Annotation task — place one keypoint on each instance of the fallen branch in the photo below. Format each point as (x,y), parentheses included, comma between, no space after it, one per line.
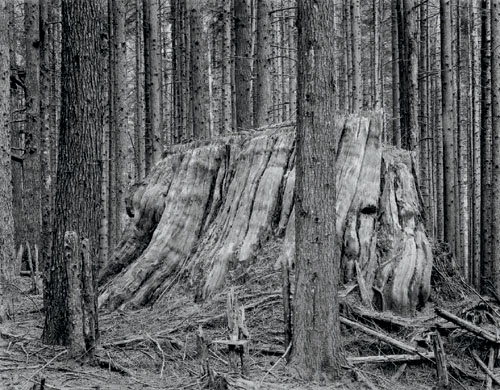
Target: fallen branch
(112,366)
(362,378)
(469,326)
(139,339)
(462,371)
(381,336)
(390,358)
(275,364)
(45,366)
(483,366)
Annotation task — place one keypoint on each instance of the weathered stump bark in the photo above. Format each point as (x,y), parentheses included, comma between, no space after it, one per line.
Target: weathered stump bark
(82,314)
(206,209)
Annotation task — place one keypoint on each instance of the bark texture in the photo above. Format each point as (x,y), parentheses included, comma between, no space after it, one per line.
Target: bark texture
(7,251)
(316,346)
(208,207)
(78,187)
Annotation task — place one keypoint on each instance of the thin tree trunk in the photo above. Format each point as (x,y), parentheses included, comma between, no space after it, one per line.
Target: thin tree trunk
(228,68)
(486,250)
(46,136)
(317,351)
(377,81)
(139,150)
(462,144)
(495,145)
(119,129)
(448,124)
(243,64)
(356,55)
(32,185)
(424,166)
(476,143)
(152,83)
(262,97)
(396,126)
(199,88)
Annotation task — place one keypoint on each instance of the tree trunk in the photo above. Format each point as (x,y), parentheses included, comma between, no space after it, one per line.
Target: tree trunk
(32,186)
(424,161)
(317,350)
(78,188)
(117,133)
(408,73)
(357,83)
(396,125)
(462,217)
(448,124)
(495,146)
(243,64)
(151,83)
(199,89)
(46,133)
(139,147)
(227,68)
(7,250)
(377,79)
(486,138)
(476,144)
(262,98)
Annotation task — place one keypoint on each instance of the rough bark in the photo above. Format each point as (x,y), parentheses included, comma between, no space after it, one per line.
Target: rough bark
(139,146)
(317,349)
(495,146)
(448,124)
(486,168)
(250,200)
(7,250)
(152,83)
(357,83)
(243,64)
(78,188)
(46,133)
(199,89)
(117,133)
(396,127)
(262,71)
(32,186)
(476,145)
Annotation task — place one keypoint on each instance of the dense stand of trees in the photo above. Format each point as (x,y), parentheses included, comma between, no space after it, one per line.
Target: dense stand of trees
(174,71)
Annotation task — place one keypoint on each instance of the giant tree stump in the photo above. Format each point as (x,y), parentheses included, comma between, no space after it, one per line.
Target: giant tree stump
(207,209)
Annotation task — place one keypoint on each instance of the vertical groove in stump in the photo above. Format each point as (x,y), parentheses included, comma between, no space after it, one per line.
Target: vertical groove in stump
(89,299)
(442,372)
(76,343)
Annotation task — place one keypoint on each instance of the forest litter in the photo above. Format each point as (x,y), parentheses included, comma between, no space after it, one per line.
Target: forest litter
(178,344)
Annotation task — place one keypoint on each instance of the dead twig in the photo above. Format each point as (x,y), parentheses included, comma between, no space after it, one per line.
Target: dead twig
(484,367)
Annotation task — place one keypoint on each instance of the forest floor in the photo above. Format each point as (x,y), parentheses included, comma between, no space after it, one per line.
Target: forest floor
(155,347)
